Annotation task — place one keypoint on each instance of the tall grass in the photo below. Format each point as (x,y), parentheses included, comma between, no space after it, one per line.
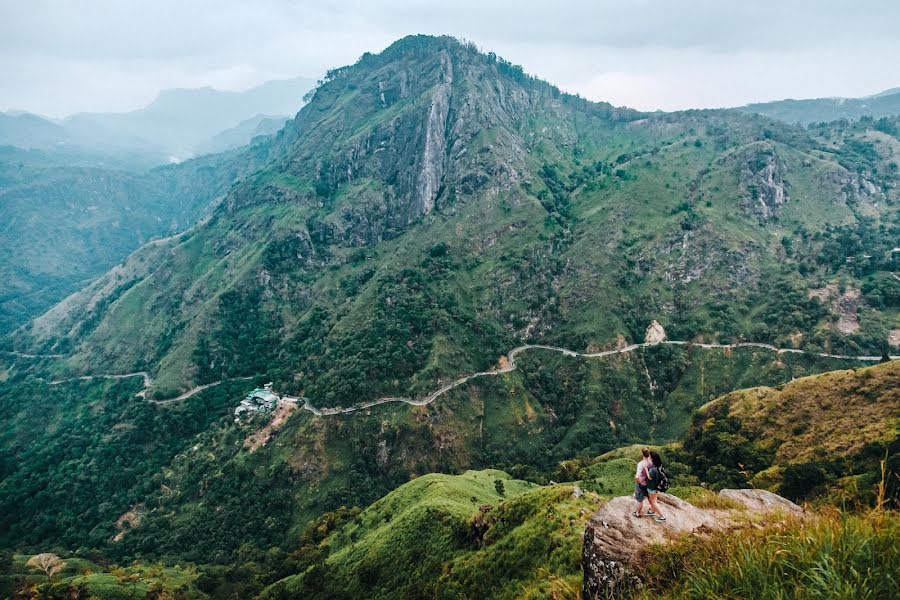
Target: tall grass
(835,556)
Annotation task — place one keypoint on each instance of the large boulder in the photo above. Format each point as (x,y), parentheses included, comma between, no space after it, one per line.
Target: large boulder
(761,501)
(613,538)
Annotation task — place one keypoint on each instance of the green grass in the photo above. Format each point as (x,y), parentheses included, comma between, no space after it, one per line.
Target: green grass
(430,527)
(613,477)
(834,556)
(807,418)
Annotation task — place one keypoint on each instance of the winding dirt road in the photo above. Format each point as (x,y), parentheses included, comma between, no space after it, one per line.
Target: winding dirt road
(26,355)
(148,381)
(196,390)
(510,366)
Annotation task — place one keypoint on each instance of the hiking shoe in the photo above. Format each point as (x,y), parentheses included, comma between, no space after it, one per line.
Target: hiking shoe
(660,518)
(636,516)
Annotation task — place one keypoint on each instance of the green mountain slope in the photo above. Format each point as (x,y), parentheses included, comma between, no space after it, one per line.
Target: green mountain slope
(456,536)
(185,465)
(527,544)
(191,491)
(828,432)
(63,225)
(433,206)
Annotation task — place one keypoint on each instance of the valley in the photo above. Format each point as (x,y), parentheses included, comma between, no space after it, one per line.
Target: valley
(443,269)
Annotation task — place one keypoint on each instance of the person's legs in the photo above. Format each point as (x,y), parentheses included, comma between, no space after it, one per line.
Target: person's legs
(639,495)
(652,498)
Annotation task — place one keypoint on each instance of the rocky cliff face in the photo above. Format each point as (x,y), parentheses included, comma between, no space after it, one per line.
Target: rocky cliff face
(433,155)
(613,539)
(655,333)
(763,179)
(427,123)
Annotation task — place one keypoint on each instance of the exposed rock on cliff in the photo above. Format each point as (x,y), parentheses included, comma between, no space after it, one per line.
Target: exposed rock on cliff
(761,177)
(844,305)
(894,338)
(655,333)
(613,538)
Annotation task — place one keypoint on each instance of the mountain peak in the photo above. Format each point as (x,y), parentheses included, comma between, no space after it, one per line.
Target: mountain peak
(431,117)
(418,43)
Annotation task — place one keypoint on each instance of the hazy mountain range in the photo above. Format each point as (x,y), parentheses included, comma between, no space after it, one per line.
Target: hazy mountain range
(178,124)
(817,110)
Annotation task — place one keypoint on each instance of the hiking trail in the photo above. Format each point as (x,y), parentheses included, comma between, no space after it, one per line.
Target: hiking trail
(506,367)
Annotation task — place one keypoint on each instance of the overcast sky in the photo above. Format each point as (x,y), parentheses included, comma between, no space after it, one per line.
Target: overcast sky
(58,57)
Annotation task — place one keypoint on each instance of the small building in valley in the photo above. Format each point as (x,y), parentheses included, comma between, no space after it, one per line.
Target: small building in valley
(259,400)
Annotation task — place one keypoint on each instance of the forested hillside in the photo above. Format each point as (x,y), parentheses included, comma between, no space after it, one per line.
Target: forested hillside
(479,533)
(186,464)
(62,225)
(431,208)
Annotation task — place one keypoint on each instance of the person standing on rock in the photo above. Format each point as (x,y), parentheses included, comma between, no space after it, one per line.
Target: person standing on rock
(640,483)
(654,477)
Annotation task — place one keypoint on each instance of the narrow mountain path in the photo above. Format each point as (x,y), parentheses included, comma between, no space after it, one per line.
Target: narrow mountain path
(510,366)
(26,355)
(197,390)
(148,380)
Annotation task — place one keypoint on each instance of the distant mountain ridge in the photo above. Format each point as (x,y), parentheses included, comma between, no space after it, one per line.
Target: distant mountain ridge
(178,124)
(242,133)
(78,195)
(816,110)
(181,119)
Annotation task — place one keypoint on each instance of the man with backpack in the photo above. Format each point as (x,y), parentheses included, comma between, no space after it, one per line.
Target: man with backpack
(640,483)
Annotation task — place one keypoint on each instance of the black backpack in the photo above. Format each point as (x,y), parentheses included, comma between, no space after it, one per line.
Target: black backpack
(663,484)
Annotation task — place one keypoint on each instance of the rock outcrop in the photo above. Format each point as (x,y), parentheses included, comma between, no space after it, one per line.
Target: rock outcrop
(761,501)
(614,539)
(894,338)
(655,333)
(845,304)
(761,175)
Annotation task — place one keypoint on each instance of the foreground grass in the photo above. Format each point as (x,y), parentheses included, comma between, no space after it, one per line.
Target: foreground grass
(448,537)
(836,556)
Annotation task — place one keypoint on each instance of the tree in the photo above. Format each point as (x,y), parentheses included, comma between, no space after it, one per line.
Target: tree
(498,485)
(49,563)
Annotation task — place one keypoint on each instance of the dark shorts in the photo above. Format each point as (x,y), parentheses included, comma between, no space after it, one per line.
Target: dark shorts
(640,492)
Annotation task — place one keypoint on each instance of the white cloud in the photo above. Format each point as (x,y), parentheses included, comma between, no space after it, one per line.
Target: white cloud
(59,56)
